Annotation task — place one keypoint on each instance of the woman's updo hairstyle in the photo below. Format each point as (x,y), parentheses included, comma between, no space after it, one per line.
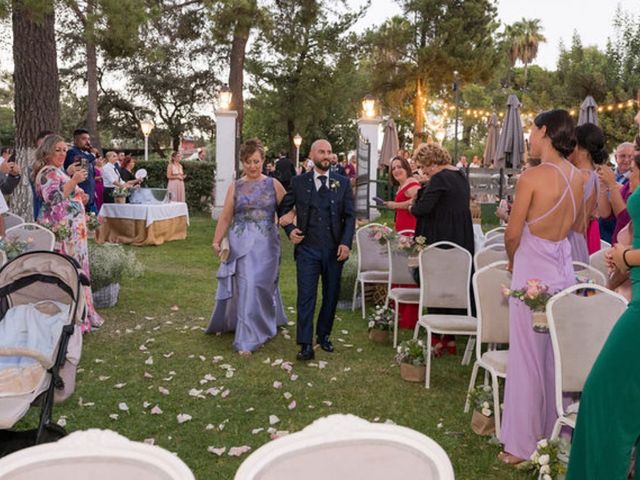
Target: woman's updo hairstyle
(560,129)
(427,154)
(248,148)
(591,138)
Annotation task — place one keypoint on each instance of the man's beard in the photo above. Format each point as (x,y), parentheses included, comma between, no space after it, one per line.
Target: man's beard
(322,167)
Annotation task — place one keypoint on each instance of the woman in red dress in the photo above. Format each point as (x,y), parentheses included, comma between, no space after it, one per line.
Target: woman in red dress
(408,188)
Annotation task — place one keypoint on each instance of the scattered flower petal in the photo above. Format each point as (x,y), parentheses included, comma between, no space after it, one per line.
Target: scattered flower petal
(287,395)
(174,308)
(62,421)
(237,451)
(123,406)
(147,375)
(163,391)
(255,431)
(113,416)
(225,394)
(294,377)
(99,360)
(292,405)
(328,403)
(149,361)
(217,451)
(167,355)
(209,426)
(102,378)
(119,385)
(183,417)
(250,409)
(273,419)
(277,384)
(322,364)
(146,404)
(149,441)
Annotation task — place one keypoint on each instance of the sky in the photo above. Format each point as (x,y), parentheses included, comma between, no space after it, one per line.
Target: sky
(592,19)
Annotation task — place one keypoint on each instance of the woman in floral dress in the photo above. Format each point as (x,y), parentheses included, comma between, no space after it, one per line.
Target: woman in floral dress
(62,210)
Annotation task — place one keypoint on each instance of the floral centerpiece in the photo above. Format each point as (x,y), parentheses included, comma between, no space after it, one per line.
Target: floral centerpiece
(61,230)
(482,420)
(120,194)
(14,246)
(109,263)
(410,356)
(93,223)
(547,461)
(535,296)
(380,323)
(404,244)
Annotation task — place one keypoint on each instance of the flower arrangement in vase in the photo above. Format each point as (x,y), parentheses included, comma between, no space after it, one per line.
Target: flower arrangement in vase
(93,222)
(13,246)
(410,356)
(380,322)
(549,461)
(61,230)
(120,194)
(534,295)
(482,420)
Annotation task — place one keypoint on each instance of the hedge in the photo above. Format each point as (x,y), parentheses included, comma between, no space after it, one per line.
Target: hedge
(198,184)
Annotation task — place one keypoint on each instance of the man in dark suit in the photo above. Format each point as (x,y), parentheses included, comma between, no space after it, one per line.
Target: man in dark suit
(336,167)
(322,235)
(284,171)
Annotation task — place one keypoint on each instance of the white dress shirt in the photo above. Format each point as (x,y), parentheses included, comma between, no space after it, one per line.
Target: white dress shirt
(317,181)
(110,176)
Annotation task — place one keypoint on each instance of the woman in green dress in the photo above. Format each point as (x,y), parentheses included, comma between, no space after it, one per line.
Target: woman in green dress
(608,424)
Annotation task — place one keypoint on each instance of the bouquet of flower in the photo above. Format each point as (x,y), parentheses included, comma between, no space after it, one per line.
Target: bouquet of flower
(411,352)
(409,246)
(13,246)
(93,223)
(120,192)
(535,296)
(60,230)
(381,318)
(546,462)
(381,234)
(481,397)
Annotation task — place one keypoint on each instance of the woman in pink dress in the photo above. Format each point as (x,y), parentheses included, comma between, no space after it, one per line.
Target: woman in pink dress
(407,190)
(99,182)
(175,177)
(548,201)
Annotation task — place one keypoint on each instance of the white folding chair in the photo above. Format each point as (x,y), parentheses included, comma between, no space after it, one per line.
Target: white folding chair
(493,328)
(586,272)
(579,326)
(11,220)
(489,255)
(400,274)
(3,258)
(39,237)
(497,239)
(444,283)
(347,447)
(95,454)
(495,231)
(597,261)
(373,263)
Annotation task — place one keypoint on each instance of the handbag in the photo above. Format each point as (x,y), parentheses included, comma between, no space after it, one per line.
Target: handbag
(224,249)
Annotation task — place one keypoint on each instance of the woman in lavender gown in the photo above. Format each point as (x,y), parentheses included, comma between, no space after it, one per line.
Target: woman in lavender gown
(248,298)
(548,202)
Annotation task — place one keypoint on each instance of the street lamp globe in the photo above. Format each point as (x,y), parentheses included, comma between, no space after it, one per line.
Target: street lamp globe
(224,97)
(297,140)
(369,106)
(147,126)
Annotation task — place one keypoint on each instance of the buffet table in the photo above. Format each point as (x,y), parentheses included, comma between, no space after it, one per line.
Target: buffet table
(136,224)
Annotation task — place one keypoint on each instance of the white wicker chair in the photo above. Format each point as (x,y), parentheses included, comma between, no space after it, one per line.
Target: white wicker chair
(494,231)
(488,255)
(40,238)
(373,263)
(579,326)
(400,274)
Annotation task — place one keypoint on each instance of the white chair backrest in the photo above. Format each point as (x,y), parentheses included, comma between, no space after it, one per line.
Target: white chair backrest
(347,447)
(495,231)
(3,258)
(95,454)
(597,261)
(399,271)
(371,254)
(579,326)
(489,255)
(586,273)
(491,305)
(11,220)
(39,238)
(604,245)
(407,232)
(497,239)
(445,273)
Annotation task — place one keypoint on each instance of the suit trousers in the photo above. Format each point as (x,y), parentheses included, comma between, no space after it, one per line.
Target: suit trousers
(313,263)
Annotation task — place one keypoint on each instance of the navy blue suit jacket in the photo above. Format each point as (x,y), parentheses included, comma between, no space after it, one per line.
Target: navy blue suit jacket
(343,220)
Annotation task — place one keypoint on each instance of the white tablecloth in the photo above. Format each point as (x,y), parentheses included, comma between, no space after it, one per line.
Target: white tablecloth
(148,213)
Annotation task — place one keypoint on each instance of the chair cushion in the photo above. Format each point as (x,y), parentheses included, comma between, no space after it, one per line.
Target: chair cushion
(451,323)
(405,295)
(496,359)
(374,276)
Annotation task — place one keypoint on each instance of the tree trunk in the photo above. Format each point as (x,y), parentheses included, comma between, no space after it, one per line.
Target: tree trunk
(418,106)
(175,142)
(526,68)
(92,93)
(236,71)
(37,88)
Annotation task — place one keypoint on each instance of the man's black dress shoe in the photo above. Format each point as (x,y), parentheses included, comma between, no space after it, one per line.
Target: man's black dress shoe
(325,344)
(305,353)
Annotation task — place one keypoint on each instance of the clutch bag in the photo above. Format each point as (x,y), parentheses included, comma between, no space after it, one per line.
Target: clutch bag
(224,249)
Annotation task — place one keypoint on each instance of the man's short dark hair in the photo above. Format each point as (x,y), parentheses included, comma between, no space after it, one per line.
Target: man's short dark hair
(80,131)
(5,150)
(44,133)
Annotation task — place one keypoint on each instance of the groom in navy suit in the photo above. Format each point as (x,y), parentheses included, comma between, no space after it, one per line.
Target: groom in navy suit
(322,237)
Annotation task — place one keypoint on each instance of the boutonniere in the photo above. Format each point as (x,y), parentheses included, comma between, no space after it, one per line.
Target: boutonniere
(334,185)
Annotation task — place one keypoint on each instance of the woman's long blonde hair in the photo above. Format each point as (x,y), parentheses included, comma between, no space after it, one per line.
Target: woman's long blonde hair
(44,152)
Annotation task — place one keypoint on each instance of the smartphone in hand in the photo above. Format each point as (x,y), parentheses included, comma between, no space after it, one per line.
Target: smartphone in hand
(378,200)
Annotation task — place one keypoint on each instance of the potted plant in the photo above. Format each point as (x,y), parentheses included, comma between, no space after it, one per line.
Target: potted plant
(93,223)
(380,323)
(549,461)
(482,420)
(120,194)
(535,295)
(14,246)
(410,356)
(109,264)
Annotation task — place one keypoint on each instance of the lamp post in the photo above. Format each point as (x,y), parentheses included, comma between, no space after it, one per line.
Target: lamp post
(146,126)
(224,98)
(456,90)
(368,127)
(297,141)
(227,162)
(369,106)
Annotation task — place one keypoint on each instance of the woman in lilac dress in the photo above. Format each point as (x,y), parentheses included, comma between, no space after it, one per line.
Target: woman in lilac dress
(248,298)
(548,202)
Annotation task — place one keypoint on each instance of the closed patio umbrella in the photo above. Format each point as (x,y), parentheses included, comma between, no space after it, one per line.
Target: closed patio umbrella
(588,111)
(491,144)
(510,148)
(390,144)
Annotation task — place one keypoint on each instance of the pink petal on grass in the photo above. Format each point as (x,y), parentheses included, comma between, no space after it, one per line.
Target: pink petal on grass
(217,451)
(163,391)
(156,410)
(273,419)
(102,378)
(322,364)
(237,451)
(287,395)
(183,417)
(123,406)
(147,375)
(119,385)
(277,384)
(292,405)
(174,308)
(225,394)
(149,361)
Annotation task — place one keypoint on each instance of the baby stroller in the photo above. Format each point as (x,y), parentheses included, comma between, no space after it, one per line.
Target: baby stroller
(41,308)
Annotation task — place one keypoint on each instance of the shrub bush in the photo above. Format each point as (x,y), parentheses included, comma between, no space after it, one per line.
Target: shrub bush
(110,263)
(198,184)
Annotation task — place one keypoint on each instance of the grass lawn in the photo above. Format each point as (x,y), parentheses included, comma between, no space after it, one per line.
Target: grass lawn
(359,377)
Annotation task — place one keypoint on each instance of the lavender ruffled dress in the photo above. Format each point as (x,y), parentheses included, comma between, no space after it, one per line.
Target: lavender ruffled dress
(529,398)
(248,298)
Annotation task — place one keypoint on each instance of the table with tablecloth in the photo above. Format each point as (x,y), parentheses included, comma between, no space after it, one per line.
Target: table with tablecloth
(143,224)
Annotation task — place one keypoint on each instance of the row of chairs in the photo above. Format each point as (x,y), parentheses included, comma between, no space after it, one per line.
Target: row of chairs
(39,238)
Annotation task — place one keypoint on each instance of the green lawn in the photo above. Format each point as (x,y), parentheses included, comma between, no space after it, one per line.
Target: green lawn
(359,378)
